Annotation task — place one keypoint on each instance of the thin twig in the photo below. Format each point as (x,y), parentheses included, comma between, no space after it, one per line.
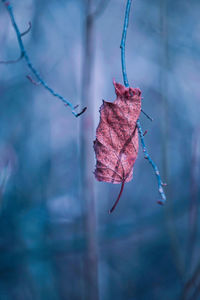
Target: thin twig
(27,30)
(148,117)
(12,61)
(154,166)
(126,83)
(32,81)
(29,63)
(145,133)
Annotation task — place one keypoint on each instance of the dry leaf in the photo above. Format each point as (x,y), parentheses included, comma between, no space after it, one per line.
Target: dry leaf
(116,144)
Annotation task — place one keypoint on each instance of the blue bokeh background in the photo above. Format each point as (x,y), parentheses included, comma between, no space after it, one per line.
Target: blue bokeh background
(143,250)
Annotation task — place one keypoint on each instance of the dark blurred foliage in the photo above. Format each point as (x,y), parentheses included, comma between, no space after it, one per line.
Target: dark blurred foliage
(145,251)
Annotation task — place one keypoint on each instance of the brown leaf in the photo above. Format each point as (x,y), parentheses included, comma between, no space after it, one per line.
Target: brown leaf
(116,144)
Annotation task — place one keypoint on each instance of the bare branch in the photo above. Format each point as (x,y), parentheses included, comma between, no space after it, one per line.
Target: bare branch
(82,111)
(27,30)
(13,61)
(29,63)
(126,83)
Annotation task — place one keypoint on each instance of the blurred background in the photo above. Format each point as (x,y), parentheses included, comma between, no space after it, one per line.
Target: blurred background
(57,240)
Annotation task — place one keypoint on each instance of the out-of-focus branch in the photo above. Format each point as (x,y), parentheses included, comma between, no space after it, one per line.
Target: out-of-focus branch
(126,83)
(99,9)
(29,63)
(4,176)
(191,286)
(87,187)
(191,289)
(164,82)
(193,210)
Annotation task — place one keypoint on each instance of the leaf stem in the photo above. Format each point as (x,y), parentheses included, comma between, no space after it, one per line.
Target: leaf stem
(119,196)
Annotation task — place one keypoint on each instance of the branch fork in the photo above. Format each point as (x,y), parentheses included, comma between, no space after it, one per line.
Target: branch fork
(29,63)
